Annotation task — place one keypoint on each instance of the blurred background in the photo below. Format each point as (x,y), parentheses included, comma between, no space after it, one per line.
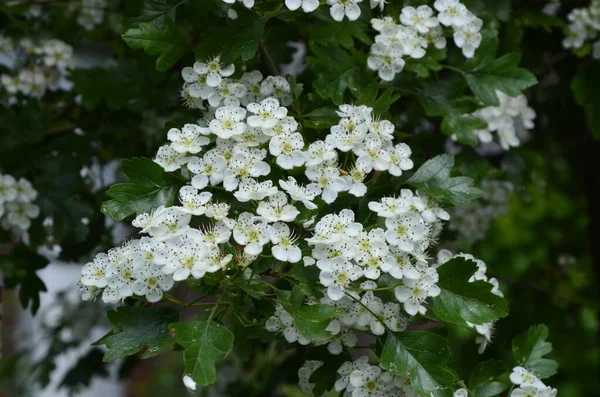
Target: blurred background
(537,227)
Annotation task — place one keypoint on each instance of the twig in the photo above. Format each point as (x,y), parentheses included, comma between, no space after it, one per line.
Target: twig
(268,60)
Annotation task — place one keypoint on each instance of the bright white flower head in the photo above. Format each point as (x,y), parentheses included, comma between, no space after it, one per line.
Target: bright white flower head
(266,114)
(189,139)
(193,201)
(228,121)
(421,18)
(307,5)
(288,150)
(214,71)
(252,232)
(276,208)
(284,243)
(452,12)
(344,8)
(304,194)
(169,158)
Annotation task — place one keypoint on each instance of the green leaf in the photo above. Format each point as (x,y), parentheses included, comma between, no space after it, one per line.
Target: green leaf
(139,328)
(424,356)
(154,10)
(240,40)
(321,118)
(489,379)
(205,342)
(150,188)
(461,300)
(433,178)
(312,321)
(530,348)
(338,71)
(342,33)
(502,74)
(445,99)
(379,104)
(585,91)
(163,39)
(22,125)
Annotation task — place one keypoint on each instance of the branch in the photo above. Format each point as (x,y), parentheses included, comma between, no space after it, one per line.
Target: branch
(268,60)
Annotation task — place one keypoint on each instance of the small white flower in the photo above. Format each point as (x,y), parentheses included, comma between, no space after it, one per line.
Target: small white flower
(468,37)
(421,18)
(228,121)
(307,5)
(251,231)
(211,168)
(284,243)
(337,275)
(328,180)
(414,292)
(192,201)
(169,158)
(266,114)
(386,59)
(405,230)
(344,8)
(320,152)
(250,189)
(93,274)
(214,71)
(304,194)
(151,283)
(451,12)
(276,208)
(288,150)
(227,93)
(189,139)
(189,383)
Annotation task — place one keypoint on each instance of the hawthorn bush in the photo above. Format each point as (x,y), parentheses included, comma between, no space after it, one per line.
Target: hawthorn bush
(303,197)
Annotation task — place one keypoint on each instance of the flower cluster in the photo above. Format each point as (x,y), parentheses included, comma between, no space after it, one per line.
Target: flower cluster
(42,66)
(359,379)
(16,203)
(584,26)
(418,29)
(529,385)
(209,85)
(339,9)
(472,221)
(505,121)
(486,330)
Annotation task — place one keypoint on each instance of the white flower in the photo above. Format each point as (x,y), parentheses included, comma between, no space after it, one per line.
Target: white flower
(251,80)
(346,370)
(196,85)
(307,5)
(354,179)
(228,121)
(304,194)
(93,274)
(468,37)
(247,3)
(245,163)
(214,71)
(400,159)
(435,37)
(169,222)
(183,256)
(451,12)
(388,207)
(227,93)
(169,158)
(320,152)
(461,393)
(401,266)
(414,292)
(20,214)
(278,87)
(405,230)
(341,8)
(24,189)
(371,381)
(521,377)
(266,114)
(285,126)
(216,233)
(284,247)
(250,189)
(328,180)
(421,18)
(532,391)
(211,168)
(151,282)
(288,150)
(8,188)
(189,139)
(251,231)
(276,208)
(337,275)
(192,201)
(386,60)
(219,212)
